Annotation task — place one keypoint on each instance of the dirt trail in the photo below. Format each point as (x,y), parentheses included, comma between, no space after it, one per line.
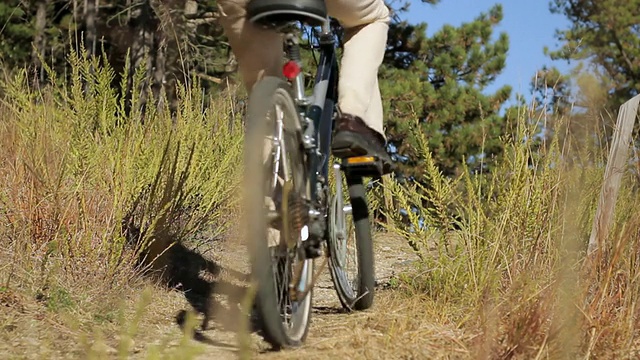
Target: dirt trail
(331,328)
(396,327)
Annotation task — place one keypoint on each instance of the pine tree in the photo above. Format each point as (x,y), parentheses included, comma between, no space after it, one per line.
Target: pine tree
(16,34)
(605,34)
(436,85)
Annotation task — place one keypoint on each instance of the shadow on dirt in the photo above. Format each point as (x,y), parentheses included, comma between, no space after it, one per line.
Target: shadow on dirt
(199,335)
(211,290)
(327,310)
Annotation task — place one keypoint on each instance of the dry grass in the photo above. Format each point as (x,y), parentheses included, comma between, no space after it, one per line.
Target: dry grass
(398,327)
(506,252)
(87,189)
(91,196)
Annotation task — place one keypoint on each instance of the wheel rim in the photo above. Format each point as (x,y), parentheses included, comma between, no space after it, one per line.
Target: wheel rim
(344,248)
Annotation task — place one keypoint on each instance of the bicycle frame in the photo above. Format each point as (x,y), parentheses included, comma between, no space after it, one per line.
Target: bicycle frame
(317,114)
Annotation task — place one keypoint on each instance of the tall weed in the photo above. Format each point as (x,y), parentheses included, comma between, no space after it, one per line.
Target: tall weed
(506,250)
(92,184)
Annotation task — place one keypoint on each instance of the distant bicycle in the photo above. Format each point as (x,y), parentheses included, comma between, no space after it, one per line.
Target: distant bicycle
(297,210)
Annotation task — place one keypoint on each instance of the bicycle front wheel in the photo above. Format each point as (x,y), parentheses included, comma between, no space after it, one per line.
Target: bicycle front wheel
(350,244)
(276,187)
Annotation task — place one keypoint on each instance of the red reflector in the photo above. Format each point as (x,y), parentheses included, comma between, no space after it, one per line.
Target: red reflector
(291,69)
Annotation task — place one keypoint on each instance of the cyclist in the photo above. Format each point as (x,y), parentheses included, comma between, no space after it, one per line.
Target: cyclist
(359,126)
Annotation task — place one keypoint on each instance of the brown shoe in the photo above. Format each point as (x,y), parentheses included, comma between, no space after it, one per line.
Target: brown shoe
(352,137)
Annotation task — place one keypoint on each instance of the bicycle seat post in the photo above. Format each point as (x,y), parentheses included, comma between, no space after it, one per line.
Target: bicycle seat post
(292,51)
(326,27)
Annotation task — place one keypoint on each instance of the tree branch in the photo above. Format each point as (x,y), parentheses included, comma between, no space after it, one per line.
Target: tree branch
(626,58)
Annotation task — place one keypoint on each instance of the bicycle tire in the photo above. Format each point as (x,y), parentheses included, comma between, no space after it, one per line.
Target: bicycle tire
(264,98)
(357,294)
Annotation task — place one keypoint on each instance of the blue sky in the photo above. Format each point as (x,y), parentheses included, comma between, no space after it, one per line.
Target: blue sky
(529,24)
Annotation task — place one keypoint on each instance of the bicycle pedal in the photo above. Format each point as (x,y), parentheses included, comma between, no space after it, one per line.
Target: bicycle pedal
(359,166)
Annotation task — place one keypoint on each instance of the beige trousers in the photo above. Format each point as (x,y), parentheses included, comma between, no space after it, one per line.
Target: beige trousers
(259,52)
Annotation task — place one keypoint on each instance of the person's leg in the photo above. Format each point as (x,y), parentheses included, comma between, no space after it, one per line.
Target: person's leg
(366,24)
(257,50)
(360,130)
(374,111)
(259,53)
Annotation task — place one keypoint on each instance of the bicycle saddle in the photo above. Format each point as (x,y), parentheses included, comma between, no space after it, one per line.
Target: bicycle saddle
(278,12)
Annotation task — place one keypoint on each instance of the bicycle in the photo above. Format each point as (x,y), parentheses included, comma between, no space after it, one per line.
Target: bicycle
(287,184)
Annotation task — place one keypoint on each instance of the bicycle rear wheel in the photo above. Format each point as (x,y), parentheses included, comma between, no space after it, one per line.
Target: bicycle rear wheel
(350,245)
(276,188)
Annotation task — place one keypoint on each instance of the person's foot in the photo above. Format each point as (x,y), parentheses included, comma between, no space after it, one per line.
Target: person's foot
(352,137)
